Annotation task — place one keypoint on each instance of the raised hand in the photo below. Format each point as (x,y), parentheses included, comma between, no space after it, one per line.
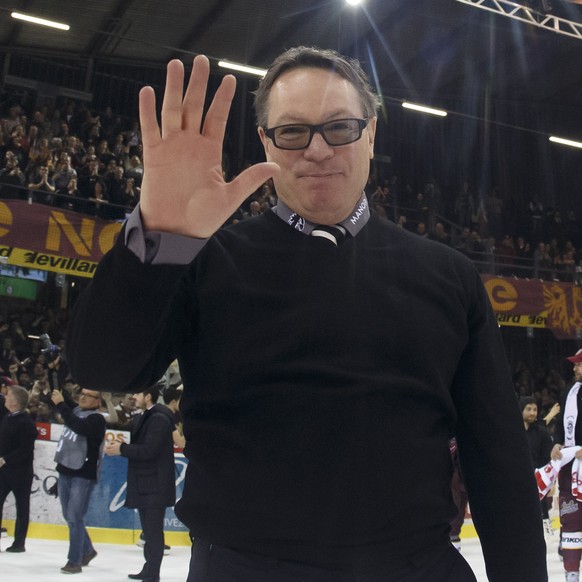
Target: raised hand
(183,190)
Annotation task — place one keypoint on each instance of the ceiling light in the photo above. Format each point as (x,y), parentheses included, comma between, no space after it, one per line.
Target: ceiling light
(354,2)
(423,109)
(41,21)
(243,68)
(568,142)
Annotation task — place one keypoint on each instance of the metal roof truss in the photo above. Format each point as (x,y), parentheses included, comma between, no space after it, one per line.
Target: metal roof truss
(528,15)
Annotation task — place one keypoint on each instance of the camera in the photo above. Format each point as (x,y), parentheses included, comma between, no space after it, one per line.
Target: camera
(49,350)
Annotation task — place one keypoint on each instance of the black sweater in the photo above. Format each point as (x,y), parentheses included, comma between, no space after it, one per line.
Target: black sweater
(540,444)
(322,385)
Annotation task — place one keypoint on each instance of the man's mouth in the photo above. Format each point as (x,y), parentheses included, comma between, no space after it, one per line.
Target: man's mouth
(320,175)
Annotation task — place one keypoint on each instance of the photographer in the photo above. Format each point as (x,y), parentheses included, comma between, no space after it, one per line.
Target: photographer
(58,371)
(78,456)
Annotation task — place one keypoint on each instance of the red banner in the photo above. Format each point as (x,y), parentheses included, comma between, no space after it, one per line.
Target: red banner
(521,300)
(43,237)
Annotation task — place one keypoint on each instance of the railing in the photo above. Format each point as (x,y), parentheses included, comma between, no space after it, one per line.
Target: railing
(79,203)
(489,262)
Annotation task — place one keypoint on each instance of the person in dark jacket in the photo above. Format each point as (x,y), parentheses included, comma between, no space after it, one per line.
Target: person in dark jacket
(150,475)
(17,436)
(540,445)
(78,458)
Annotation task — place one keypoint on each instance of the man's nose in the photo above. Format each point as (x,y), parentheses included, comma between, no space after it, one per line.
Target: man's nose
(318,148)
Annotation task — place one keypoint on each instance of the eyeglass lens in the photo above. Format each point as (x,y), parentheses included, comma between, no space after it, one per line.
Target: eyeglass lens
(298,136)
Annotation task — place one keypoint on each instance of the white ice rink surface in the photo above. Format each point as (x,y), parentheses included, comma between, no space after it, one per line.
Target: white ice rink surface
(43,559)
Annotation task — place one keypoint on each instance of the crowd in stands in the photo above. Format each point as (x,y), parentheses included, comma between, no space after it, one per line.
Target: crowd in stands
(545,247)
(71,158)
(74,158)
(25,361)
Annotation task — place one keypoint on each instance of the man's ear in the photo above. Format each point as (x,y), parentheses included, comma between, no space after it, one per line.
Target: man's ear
(371,129)
(265,141)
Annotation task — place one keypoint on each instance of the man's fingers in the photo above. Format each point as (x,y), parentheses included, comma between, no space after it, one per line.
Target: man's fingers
(150,132)
(172,104)
(249,180)
(193,106)
(217,116)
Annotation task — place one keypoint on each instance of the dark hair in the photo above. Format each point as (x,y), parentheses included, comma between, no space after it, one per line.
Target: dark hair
(314,57)
(154,392)
(525,400)
(171,393)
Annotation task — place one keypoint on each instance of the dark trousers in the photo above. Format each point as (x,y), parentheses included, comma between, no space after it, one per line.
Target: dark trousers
(20,483)
(212,563)
(152,523)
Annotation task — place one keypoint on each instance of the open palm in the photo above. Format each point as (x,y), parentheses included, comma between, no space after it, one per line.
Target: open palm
(183,189)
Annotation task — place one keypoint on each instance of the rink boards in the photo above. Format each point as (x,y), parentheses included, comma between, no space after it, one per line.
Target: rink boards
(107,517)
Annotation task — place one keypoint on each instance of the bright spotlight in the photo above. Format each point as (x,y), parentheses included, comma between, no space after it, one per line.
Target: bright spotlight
(424,109)
(568,142)
(242,68)
(41,21)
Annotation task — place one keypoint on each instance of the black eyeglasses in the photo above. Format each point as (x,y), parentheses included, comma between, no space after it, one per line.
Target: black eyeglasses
(298,136)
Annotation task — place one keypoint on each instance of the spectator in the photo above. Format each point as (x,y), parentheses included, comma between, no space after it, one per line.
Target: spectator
(540,446)
(151,452)
(130,194)
(99,200)
(133,136)
(381,198)
(523,257)
(89,176)
(171,397)
(463,242)
(107,409)
(12,179)
(464,206)
(440,234)
(12,118)
(17,436)
(543,264)
(120,149)
(44,187)
(72,199)
(116,193)
(134,169)
(64,173)
(126,410)
(421,230)
(505,256)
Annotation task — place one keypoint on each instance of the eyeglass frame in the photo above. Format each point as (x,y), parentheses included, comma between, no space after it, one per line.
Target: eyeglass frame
(317,128)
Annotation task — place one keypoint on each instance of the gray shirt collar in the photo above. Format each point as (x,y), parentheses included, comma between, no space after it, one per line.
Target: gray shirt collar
(353,223)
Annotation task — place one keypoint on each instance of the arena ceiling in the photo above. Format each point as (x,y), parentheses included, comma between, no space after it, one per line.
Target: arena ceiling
(434,51)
